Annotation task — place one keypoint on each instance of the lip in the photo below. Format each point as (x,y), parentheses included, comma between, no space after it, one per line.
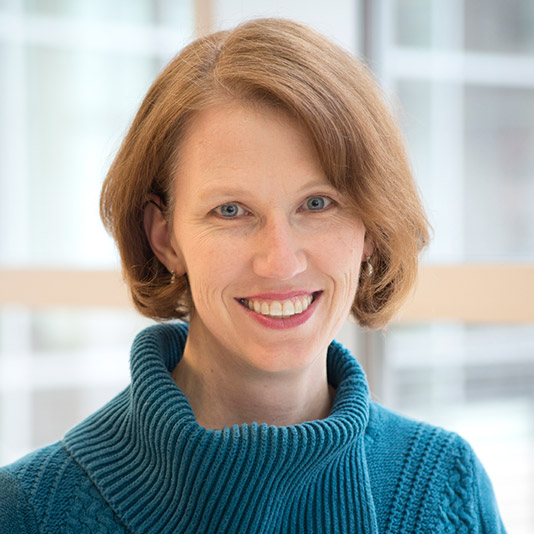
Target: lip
(280,296)
(283,323)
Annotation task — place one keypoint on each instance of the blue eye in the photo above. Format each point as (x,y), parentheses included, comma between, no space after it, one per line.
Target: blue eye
(229,211)
(317,203)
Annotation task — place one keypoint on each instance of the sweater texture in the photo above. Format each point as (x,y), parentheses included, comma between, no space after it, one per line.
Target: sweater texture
(142,464)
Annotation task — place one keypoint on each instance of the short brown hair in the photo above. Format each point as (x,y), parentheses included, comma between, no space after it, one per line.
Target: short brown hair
(333,96)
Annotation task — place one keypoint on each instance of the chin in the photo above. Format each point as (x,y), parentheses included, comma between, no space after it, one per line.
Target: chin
(287,359)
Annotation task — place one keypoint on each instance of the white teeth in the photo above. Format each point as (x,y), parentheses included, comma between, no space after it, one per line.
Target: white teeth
(275,308)
(288,308)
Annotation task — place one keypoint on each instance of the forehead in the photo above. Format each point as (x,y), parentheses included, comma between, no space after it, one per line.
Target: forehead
(231,122)
(237,143)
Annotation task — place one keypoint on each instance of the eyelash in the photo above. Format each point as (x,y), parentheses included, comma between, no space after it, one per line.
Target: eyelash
(329,203)
(218,209)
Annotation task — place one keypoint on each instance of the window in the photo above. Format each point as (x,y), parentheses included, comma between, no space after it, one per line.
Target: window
(73,74)
(461,73)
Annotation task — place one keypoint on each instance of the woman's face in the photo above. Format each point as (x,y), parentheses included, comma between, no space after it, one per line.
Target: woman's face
(272,251)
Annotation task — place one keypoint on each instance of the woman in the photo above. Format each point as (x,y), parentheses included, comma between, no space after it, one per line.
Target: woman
(262,194)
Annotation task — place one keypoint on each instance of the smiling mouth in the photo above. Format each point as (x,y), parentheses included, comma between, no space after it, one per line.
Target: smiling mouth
(280,309)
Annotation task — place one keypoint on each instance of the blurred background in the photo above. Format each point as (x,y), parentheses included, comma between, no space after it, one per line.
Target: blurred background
(460,76)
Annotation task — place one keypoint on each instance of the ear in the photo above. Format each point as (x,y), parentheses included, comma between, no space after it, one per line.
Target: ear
(159,231)
(368,247)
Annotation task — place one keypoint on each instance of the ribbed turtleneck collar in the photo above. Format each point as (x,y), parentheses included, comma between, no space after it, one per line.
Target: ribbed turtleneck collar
(162,472)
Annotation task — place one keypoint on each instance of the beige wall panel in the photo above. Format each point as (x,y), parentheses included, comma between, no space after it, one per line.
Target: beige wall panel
(203,17)
(473,293)
(39,289)
(464,293)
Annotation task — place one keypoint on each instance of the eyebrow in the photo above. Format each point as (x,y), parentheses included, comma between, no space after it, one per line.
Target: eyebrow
(207,193)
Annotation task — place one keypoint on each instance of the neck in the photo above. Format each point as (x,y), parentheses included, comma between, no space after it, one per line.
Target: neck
(221,395)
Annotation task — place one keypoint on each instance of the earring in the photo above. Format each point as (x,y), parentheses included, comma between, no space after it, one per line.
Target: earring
(173,277)
(369,266)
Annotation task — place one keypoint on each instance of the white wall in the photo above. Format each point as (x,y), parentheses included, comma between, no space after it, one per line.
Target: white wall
(337,19)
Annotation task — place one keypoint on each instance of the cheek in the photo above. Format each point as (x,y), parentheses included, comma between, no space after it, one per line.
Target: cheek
(343,249)
(208,251)
(214,265)
(341,256)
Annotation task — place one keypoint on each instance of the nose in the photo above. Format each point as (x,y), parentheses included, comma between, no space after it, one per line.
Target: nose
(279,251)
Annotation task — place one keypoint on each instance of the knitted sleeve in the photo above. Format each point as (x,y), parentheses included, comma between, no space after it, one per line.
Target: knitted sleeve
(47,491)
(16,515)
(468,505)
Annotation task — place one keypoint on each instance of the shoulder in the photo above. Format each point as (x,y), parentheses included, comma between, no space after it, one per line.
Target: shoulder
(426,478)
(23,487)
(16,514)
(46,491)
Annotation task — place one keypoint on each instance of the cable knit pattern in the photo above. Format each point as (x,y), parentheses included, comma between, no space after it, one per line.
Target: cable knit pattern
(142,464)
(90,514)
(457,508)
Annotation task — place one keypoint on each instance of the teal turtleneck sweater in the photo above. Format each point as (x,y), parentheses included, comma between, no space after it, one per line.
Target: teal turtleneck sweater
(142,464)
